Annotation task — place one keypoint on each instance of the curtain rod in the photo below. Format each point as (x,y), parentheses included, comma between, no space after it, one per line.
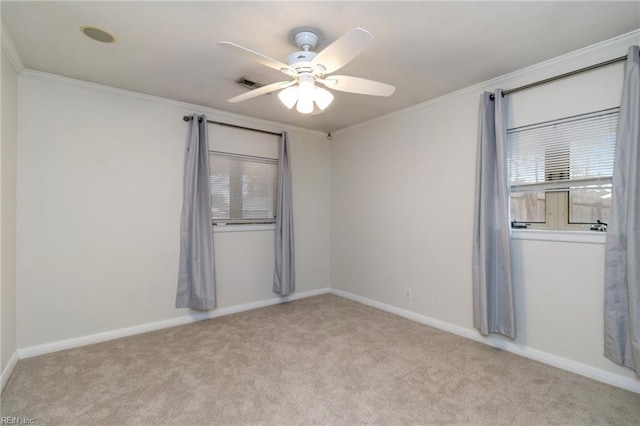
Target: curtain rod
(187,118)
(561,76)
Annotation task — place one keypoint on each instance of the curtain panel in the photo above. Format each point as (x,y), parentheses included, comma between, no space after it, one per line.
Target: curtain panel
(493,310)
(284,279)
(622,249)
(196,283)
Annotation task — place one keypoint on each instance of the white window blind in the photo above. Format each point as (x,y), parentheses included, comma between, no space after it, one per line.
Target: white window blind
(573,152)
(243,188)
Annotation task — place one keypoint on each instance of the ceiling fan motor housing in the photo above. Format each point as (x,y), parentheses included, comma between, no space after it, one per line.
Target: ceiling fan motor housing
(301,56)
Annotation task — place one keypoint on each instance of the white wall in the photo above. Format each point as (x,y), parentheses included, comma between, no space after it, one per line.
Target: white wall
(100,193)
(99,177)
(402,215)
(8,189)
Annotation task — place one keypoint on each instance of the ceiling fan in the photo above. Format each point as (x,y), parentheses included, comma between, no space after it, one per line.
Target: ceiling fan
(307,68)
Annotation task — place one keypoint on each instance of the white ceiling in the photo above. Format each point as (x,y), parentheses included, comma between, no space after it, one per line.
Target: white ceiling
(425,49)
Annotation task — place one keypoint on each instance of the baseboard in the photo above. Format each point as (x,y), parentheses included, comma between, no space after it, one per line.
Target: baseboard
(567,364)
(591,372)
(576,367)
(441,325)
(158,325)
(8,369)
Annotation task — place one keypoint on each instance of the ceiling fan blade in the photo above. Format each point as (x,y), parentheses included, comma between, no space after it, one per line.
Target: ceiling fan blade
(343,50)
(258,57)
(262,91)
(345,83)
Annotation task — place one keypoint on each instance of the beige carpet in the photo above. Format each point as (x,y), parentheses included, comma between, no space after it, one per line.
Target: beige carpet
(322,360)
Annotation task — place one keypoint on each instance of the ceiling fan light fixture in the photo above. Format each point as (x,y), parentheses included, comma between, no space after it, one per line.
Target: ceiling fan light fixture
(289,96)
(323,98)
(306,88)
(305,95)
(305,105)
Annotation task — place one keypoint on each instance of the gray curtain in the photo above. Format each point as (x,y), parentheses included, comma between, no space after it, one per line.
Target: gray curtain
(492,288)
(196,285)
(622,250)
(284,277)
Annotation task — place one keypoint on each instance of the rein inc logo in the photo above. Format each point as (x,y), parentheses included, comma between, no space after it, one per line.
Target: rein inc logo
(17,421)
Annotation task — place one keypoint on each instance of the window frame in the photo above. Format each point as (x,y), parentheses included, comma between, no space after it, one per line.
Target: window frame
(557,201)
(235,203)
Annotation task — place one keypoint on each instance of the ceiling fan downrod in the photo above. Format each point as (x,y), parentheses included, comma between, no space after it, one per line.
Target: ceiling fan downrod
(301,60)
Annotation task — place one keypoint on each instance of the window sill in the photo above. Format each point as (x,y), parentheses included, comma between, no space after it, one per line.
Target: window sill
(245,228)
(590,237)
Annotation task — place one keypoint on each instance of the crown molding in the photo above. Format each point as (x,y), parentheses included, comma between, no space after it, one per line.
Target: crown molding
(558,65)
(10,49)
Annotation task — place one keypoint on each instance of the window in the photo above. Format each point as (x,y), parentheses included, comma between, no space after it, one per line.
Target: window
(243,188)
(560,172)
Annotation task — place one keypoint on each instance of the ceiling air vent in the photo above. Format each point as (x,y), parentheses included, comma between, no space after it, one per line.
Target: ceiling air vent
(248,83)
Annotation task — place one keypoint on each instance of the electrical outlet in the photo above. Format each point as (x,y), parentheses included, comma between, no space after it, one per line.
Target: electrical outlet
(407,293)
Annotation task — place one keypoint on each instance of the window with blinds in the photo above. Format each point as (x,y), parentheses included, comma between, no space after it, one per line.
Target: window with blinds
(573,157)
(243,188)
